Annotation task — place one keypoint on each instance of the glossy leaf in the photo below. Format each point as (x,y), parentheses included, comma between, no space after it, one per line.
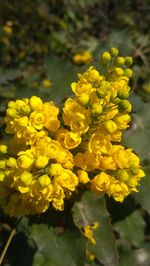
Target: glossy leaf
(54,250)
(90,209)
(132,228)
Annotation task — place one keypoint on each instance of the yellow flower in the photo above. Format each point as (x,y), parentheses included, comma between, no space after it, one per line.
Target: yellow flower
(36,103)
(47,83)
(99,144)
(25,161)
(72,140)
(37,120)
(118,190)
(67,179)
(55,169)
(8,29)
(88,232)
(83,58)
(83,176)
(101,182)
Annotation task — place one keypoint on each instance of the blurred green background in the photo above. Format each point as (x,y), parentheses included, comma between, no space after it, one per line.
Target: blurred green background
(38,41)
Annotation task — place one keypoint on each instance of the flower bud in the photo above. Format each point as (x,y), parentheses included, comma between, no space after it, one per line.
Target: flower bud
(55,169)
(84,99)
(123,94)
(25,161)
(96,109)
(123,175)
(83,176)
(110,126)
(2,176)
(119,61)
(23,121)
(3,148)
(128,72)
(146,87)
(19,104)
(113,98)
(105,58)
(35,103)
(41,161)
(2,164)
(12,104)
(11,112)
(44,180)
(119,71)
(47,83)
(25,109)
(11,162)
(125,106)
(128,61)
(134,170)
(114,52)
(26,178)
(101,92)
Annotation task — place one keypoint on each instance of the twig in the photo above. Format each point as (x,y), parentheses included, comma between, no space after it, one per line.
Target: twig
(7,245)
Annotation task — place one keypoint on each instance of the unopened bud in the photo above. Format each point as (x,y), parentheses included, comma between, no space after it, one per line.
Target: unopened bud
(26,178)
(125,106)
(105,58)
(2,176)
(119,61)
(3,148)
(123,175)
(123,94)
(11,112)
(44,180)
(110,126)
(128,61)
(119,71)
(114,52)
(134,170)
(41,161)
(84,99)
(128,72)
(96,109)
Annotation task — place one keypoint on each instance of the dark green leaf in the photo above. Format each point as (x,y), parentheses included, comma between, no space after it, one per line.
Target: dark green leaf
(56,250)
(132,228)
(138,257)
(90,209)
(137,136)
(143,196)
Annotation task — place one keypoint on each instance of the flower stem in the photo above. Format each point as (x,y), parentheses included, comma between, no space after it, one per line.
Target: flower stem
(7,245)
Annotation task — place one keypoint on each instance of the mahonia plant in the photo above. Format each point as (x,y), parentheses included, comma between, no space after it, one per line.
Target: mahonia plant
(52,152)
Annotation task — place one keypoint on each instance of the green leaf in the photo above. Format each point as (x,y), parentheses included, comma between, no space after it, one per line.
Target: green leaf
(56,250)
(90,209)
(62,73)
(137,136)
(132,228)
(143,196)
(138,257)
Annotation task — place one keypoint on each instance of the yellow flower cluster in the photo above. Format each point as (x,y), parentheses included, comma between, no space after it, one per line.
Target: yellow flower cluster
(51,153)
(82,58)
(36,170)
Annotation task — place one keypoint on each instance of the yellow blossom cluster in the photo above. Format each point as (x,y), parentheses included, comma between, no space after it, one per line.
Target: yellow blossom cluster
(52,152)
(36,170)
(82,58)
